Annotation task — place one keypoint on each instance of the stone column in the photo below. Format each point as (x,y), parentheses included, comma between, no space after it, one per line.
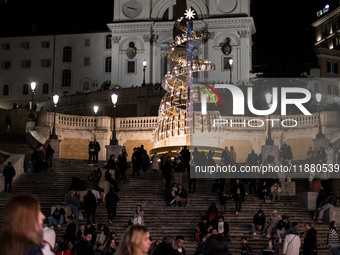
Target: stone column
(115,60)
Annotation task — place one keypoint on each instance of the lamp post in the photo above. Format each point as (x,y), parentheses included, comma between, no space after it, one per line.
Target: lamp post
(231,69)
(318,97)
(114,98)
(55,101)
(95,109)
(33,85)
(144,67)
(269,140)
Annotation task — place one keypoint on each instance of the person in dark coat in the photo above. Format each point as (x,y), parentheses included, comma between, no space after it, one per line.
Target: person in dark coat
(164,247)
(145,161)
(91,152)
(70,233)
(84,246)
(96,151)
(225,157)
(237,192)
(135,162)
(177,247)
(259,223)
(90,205)
(37,159)
(185,153)
(111,200)
(8,173)
(310,243)
(122,164)
(167,172)
(49,156)
(287,153)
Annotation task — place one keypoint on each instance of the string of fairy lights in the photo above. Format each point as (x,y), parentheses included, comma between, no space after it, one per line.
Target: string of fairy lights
(172,113)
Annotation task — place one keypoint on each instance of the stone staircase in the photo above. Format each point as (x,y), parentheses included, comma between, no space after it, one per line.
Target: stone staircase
(161,220)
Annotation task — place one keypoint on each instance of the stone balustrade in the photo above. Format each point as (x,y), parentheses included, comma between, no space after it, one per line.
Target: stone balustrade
(136,123)
(226,122)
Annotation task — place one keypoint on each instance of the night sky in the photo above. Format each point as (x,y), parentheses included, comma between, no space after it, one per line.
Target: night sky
(284,21)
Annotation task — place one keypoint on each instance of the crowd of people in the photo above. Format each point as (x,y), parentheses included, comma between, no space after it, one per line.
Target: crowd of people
(212,233)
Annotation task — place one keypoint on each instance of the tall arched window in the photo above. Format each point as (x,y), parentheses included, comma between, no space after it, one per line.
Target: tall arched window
(5,91)
(45,88)
(66,78)
(108,65)
(67,54)
(25,89)
(108,44)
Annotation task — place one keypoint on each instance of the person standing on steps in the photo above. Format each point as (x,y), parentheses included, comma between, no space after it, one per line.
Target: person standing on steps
(122,164)
(9,173)
(310,242)
(145,160)
(96,151)
(185,153)
(237,192)
(90,203)
(111,200)
(292,242)
(8,124)
(49,156)
(178,170)
(154,162)
(136,159)
(91,153)
(333,242)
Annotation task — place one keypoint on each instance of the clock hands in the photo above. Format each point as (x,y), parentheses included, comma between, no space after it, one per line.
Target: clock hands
(135,9)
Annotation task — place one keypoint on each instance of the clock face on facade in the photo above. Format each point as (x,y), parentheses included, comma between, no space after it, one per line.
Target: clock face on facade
(132,9)
(226,49)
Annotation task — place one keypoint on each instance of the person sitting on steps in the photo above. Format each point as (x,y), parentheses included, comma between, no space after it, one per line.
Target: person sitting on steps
(58,217)
(259,223)
(138,217)
(275,190)
(182,196)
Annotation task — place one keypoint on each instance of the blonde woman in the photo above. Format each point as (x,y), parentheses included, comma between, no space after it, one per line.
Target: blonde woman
(22,232)
(136,241)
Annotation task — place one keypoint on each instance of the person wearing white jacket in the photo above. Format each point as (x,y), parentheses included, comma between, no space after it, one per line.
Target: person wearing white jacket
(292,243)
(154,162)
(275,190)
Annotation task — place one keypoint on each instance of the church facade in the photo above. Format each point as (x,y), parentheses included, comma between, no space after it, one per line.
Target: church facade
(141,30)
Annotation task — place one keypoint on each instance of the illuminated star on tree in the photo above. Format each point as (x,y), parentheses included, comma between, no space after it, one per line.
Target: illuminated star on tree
(189,14)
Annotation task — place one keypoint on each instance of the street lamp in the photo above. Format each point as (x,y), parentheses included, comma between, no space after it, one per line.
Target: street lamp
(144,67)
(114,98)
(231,69)
(55,101)
(318,97)
(95,109)
(269,140)
(33,86)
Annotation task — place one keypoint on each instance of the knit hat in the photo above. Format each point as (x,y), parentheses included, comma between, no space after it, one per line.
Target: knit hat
(49,236)
(275,211)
